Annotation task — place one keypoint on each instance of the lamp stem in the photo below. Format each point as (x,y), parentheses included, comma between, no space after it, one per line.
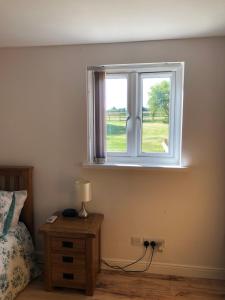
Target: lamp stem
(83,212)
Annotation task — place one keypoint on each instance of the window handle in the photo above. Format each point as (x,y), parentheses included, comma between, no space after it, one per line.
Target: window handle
(127,119)
(138,118)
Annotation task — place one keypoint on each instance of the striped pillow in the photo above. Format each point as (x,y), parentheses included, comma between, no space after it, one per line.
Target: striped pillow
(5,204)
(20,198)
(11,204)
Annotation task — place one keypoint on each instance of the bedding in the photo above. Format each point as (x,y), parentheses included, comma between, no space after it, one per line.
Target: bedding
(17,263)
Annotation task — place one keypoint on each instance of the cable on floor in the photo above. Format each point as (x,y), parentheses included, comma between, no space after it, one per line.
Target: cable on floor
(123,268)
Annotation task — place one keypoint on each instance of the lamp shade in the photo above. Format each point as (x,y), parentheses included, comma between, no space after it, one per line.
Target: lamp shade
(82,190)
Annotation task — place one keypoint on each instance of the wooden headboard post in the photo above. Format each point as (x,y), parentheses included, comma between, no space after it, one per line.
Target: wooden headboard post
(20,178)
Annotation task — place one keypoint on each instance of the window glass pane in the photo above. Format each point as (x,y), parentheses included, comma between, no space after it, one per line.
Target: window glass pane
(116,113)
(155,114)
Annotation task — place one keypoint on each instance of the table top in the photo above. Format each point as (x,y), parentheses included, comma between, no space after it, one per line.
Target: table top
(66,225)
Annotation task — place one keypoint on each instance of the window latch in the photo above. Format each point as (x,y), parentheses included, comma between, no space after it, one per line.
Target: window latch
(127,119)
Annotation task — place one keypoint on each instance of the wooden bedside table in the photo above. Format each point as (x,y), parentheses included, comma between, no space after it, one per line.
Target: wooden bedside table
(72,252)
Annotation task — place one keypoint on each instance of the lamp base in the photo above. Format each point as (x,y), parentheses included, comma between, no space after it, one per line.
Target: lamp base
(83,212)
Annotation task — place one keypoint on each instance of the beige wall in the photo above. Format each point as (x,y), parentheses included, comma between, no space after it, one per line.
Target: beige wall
(42,123)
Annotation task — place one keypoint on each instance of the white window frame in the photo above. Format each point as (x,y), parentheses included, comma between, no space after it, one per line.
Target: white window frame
(135,73)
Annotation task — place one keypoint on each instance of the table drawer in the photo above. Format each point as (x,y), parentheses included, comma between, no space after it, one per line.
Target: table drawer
(75,260)
(68,277)
(67,244)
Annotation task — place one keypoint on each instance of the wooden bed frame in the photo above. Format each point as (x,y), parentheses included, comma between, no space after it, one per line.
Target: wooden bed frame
(14,178)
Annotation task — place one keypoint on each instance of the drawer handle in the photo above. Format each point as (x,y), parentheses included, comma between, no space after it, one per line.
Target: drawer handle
(66,244)
(68,276)
(67,259)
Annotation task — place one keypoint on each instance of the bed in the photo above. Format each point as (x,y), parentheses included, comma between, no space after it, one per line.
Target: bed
(17,261)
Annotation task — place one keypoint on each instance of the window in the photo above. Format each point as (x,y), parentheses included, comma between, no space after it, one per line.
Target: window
(140,110)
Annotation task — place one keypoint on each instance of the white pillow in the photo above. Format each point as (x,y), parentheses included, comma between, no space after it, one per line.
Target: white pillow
(5,203)
(20,198)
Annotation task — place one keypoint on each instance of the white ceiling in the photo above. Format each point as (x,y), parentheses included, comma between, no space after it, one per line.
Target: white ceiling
(57,22)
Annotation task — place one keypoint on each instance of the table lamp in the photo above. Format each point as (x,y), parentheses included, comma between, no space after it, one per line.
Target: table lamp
(83,194)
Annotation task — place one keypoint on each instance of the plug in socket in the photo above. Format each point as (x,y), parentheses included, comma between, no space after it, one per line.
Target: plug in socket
(160,243)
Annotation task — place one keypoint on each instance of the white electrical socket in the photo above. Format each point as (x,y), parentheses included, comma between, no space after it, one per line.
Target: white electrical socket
(138,241)
(160,243)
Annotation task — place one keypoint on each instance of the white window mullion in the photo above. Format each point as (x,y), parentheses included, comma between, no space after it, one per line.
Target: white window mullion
(178,112)
(139,115)
(132,135)
(129,118)
(171,114)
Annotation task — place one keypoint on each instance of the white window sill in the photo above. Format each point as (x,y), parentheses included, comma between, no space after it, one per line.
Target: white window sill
(131,166)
